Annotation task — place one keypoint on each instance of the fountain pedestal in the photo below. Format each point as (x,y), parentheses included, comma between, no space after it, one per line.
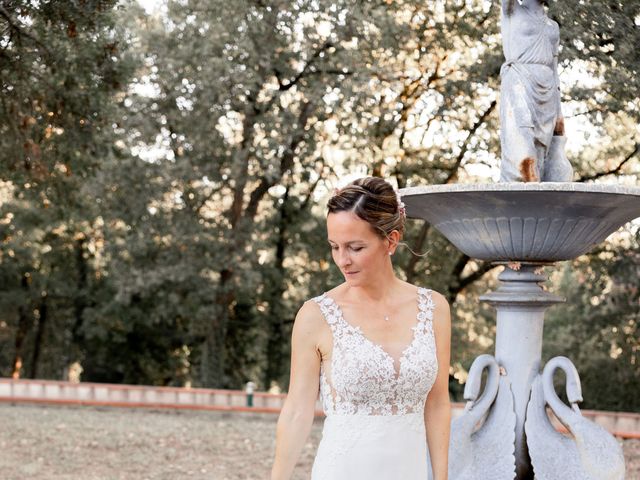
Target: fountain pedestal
(505,432)
(520,303)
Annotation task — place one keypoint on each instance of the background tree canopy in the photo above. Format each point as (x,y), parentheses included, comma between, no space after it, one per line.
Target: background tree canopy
(164,174)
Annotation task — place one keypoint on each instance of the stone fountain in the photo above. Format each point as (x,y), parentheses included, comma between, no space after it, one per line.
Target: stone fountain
(505,431)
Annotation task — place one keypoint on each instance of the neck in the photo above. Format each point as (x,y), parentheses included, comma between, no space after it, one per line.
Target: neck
(379,289)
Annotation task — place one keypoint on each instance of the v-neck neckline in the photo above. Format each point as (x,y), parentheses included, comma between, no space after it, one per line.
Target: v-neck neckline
(396,372)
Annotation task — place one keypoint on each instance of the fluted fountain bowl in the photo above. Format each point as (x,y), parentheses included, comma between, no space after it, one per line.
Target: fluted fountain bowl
(526,222)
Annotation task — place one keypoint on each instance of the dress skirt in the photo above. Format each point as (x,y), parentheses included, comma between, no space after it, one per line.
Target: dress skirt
(372,447)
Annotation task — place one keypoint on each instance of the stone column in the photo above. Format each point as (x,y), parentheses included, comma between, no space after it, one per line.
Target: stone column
(520,303)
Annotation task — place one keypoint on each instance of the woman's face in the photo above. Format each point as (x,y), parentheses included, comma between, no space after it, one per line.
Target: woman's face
(357,250)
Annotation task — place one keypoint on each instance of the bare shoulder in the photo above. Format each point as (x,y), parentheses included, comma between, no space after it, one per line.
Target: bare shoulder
(440,301)
(309,315)
(309,324)
(441,314)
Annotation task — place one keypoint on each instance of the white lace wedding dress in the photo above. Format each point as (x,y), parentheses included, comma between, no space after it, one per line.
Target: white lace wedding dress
(374,427)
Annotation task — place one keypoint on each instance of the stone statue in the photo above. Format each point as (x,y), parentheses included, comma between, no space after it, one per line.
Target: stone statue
(587,451)
(487,425)
(532,126)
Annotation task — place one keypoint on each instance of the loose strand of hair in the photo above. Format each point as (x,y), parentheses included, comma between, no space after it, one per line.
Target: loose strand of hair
(421,255)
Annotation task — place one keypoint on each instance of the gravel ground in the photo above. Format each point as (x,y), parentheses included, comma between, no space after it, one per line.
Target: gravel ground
(85,443)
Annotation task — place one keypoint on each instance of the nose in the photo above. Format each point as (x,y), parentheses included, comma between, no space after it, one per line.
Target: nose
(343,258)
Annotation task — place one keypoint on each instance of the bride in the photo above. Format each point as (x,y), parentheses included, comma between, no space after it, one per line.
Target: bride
(376,349)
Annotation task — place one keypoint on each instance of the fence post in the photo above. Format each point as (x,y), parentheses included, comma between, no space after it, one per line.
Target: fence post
(249,389)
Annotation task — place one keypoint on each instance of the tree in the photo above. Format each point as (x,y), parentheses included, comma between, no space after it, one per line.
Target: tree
(598,326)
(209,166)
(291,80)
(61,66)
(598,52)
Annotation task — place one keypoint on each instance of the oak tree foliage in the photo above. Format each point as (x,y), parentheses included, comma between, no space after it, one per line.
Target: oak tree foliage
(164,176)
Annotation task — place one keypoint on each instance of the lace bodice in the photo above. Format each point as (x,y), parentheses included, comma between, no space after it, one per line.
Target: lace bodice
(361,377)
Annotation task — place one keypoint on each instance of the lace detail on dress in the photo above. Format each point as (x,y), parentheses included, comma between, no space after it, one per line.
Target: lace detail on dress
(361,377)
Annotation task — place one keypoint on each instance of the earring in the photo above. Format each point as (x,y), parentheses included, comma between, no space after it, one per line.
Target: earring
(390,253)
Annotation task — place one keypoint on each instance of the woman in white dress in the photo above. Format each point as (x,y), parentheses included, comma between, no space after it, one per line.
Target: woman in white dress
(376,349)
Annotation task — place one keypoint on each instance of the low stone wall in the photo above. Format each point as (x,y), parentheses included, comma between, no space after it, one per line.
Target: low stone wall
(621,424)
(105,394)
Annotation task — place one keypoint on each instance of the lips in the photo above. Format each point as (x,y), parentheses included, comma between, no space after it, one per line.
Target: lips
(350,273)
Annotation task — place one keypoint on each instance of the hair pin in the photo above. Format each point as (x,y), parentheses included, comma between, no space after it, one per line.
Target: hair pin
(401,207)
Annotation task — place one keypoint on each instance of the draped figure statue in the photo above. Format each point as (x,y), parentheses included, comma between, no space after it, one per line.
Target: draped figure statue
(532,126)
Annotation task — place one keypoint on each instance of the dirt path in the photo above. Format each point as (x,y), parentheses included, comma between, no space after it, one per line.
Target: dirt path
(83,443)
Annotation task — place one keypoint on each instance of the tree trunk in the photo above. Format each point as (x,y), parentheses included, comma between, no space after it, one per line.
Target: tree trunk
(277,341)
(24,325)
(213,355)
(37,343)
(79,302)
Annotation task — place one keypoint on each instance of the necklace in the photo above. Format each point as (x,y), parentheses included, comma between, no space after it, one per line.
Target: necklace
(385,315)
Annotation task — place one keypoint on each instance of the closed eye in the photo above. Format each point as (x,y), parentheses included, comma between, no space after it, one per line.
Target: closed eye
(353,249)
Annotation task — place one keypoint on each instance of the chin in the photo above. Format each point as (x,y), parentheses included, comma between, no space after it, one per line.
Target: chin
(354,282)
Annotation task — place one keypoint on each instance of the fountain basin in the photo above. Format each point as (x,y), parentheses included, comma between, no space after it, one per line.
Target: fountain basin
(526,222)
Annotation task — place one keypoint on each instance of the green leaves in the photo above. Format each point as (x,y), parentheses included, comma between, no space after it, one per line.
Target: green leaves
(598,326)
(165,174)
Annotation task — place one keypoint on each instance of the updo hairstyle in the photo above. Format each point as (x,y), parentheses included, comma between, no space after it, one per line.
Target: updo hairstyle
(373,200)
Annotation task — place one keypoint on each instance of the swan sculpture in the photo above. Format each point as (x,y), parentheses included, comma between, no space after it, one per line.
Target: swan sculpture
(588,452)
(482,438)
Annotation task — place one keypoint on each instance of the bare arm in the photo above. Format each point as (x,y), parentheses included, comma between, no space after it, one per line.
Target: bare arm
(437,413)
(296,416)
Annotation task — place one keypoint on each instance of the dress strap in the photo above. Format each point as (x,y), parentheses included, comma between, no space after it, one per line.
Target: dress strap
(426,305)
(329,310)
